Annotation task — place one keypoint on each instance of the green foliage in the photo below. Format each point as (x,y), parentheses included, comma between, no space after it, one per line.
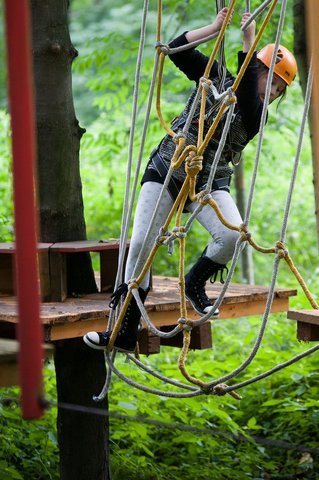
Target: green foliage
(28,449)
(271,433)
(231,436)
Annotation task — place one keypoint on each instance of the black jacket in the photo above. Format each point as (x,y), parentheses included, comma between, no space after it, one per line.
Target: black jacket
(244,124)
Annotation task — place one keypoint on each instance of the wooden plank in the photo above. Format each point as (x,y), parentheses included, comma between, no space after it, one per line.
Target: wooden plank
(201,337)
(235,292)
(85,246)
(58,277)
(56,312)
(79,326)
(307,332)
(44,275)
(148,342)
(10,248)
(75,329)
(307,324)
(96,306)
(108,250)
(76,316)
(108,268)
(227,310)
(7,284)
(7,266)
(304,316)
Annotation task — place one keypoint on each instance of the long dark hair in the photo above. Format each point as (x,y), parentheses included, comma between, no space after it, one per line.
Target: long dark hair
(263,69)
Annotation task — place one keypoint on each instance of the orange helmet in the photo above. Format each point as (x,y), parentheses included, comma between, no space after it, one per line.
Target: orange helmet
(285,66)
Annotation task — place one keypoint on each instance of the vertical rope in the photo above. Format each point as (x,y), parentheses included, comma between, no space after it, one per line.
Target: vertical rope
(264,113)
(124,227)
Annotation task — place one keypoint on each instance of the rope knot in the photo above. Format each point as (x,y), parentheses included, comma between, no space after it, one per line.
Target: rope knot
(281,250)
(220,389)
(231,97)
(205,83)
(245,235)
(179,232)
(162,47)
(206,389)
(193,164)
(185,324)
(131,284)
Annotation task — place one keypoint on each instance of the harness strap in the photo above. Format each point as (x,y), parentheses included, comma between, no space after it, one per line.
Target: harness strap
(174,185)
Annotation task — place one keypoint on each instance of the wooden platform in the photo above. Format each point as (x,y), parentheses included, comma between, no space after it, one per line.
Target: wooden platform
(307,324)
(75,316)
(53,270)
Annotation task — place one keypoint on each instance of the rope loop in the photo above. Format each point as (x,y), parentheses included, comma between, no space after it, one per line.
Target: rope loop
(281,250)
(193,164)
(162,47)
(178,135)
(205,83)
(162,236)
(204,197)
(160,240)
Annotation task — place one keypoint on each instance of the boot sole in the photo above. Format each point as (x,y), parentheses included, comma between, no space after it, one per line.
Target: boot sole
(215,314)
(90,344)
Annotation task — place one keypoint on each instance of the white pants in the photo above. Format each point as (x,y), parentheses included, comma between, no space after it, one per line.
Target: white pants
(221,247)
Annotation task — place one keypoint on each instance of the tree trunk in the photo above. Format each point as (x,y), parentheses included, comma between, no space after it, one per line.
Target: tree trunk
(83,436)
(60,189)
(300,50)
(80,372)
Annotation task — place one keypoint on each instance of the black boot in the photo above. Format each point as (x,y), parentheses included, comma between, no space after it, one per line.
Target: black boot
(127,337)
(195,282)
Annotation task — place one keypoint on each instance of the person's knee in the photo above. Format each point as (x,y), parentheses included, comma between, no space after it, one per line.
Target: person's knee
(231,238)
(221,249)
(227,239)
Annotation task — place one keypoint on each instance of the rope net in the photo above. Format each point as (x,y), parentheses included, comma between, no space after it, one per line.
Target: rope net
(192,157)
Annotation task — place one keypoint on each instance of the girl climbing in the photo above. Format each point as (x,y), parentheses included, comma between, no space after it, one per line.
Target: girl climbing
(244,126)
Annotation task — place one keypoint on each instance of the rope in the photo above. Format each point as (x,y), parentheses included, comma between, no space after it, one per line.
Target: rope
(192,157)
(126,208)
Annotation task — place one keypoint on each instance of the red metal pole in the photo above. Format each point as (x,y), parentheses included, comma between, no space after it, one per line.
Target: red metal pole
(20,87)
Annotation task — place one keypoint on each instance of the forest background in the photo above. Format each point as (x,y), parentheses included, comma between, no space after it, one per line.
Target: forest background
(273,431)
